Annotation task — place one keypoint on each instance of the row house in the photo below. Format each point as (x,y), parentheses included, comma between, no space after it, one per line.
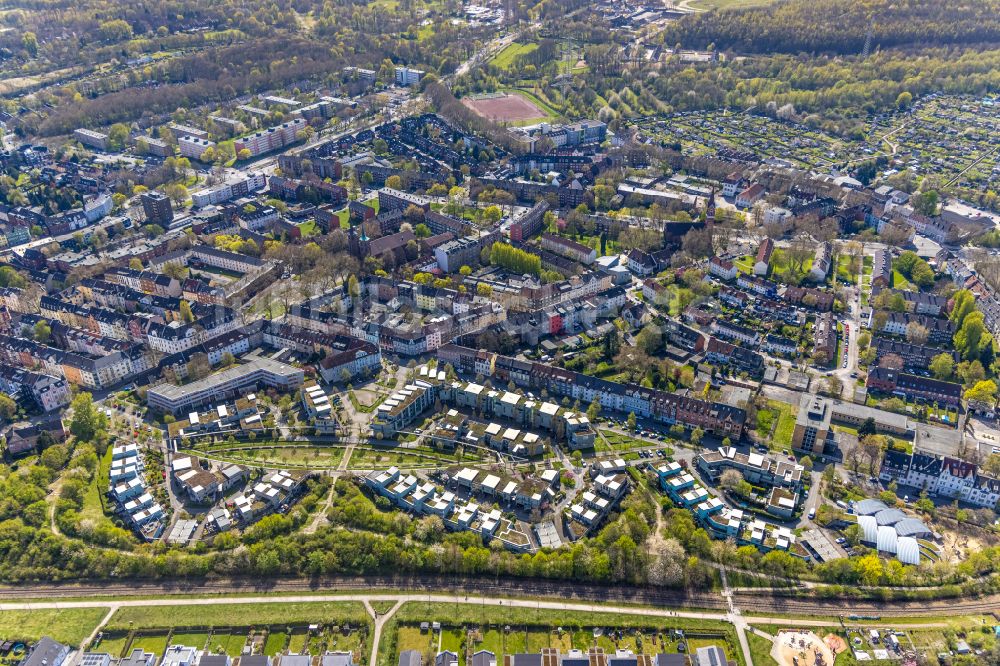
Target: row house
(778,344)
(757,285)
(942,476)
(940,330)
(817,299)
(915,357)
(649,403)
(733,331)
(825,336)
(914,387)
(918,302)
(176,336)
(45,391)
(720,352)
(147,282)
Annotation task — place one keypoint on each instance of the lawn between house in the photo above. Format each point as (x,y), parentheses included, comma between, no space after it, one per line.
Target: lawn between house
(70,626)
(243,614)
(470,627)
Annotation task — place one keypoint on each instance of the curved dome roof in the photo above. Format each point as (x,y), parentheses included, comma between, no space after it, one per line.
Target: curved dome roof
(911,527)
(889,516)
(907,550)
(886,541)
(869,529)
(869,507)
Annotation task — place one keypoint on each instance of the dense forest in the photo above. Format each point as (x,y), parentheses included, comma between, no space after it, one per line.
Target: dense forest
(839,26)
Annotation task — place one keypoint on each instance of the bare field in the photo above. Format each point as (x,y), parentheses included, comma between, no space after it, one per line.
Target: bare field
(507,108)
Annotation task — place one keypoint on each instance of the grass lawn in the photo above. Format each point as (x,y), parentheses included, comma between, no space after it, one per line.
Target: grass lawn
(786,424)
(505,58)
(760,649)
(93,498)
(531,629)
(297,642)
(113,646)
(275,643)
(308,228)
(230,643)
(195,639)
(155,643)
(745,264)
(251,615)
(71,625)
(900,282)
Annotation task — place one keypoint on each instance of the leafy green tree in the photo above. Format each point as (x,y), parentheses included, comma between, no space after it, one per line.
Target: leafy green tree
(42,331)
(963,304)
(30,43)
(942,366)
(972,337)
(984,392)
(904,100)
(88,421)
(926,203)
(118,136)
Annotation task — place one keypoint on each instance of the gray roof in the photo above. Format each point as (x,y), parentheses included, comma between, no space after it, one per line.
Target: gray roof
(869,507)
(47,652)
(911,527)
(889,516)
(410,658)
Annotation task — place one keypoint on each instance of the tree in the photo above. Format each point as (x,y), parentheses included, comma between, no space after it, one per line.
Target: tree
(916,333)
(730,479)
(611,344)
(903,100)
(87,421)
(983,392)
(630,421)
(30,43)
(594,410)
(963,304)
(118,136)
(8,408)
(696,436)
(42,331)
(942,366)
(185,311)
(972,337)
(394,182)
(992,465)
(135,263)
(868,427)
(926,203)
(177,193)
(649,339)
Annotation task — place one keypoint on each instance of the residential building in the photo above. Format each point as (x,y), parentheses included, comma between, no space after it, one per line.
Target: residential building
(405,76)
(272,138)
(157,208)
(882,269)
(914,387)
(91,138)
(569,248)
(751,195)
(192,147)
(762,263)
(231,382)
(722,268)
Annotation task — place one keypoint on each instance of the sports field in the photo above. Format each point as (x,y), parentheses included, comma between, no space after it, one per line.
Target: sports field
(505,108)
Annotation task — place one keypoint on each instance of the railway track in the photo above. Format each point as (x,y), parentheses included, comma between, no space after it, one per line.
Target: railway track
(749,603)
